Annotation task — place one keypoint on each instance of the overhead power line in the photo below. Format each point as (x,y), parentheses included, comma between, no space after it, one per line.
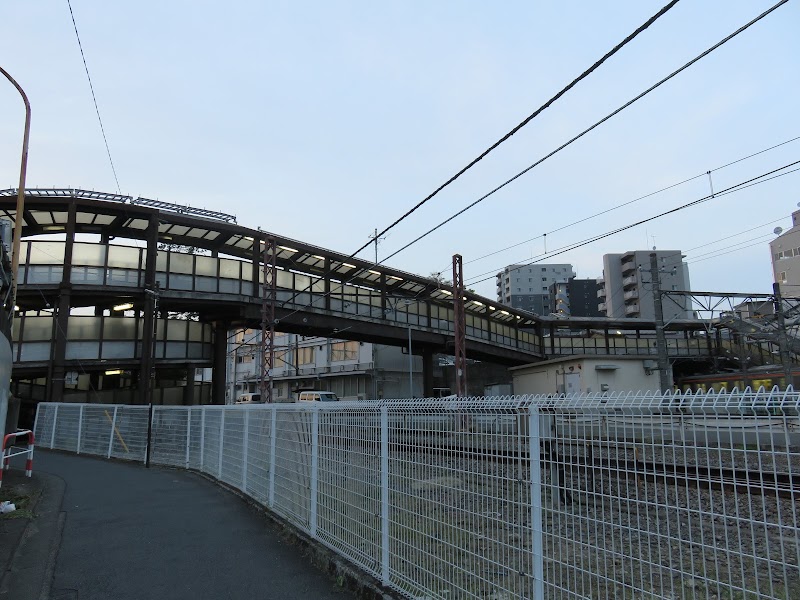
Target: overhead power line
(717,253)
(629,202)
(687,65)
(529,118)
(94,98)
(587,130)
(763,178)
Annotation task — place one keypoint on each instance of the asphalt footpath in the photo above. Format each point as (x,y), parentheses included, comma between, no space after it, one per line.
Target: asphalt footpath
(111,530)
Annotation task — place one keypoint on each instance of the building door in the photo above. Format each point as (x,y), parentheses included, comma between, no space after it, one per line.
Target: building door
(572,383)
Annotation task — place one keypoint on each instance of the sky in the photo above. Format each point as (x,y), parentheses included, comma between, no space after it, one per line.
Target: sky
(322,121)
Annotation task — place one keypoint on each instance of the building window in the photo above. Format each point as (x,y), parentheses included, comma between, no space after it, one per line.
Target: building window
(783,277)
(344,351)
(305,356)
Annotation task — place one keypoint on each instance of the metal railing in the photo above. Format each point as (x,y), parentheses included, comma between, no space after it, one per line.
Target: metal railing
(627,496)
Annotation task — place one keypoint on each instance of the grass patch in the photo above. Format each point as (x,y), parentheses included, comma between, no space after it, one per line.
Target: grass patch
(23,502)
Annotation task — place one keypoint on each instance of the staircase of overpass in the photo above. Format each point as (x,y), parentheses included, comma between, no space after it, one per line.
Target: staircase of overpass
(112,294)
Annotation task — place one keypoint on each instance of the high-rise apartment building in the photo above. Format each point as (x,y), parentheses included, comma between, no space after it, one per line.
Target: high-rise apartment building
(626,288)
(785,251)
(527,287)
(576,298)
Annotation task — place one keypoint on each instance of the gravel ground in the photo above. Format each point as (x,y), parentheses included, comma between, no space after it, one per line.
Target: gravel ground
(466,526)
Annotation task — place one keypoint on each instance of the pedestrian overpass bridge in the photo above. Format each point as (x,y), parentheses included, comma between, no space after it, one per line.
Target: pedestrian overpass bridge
(87,252)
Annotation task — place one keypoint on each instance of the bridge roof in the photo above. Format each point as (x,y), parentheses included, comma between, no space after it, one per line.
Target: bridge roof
(115,215)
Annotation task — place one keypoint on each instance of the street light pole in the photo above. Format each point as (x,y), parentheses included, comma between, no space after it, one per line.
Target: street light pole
(20,193)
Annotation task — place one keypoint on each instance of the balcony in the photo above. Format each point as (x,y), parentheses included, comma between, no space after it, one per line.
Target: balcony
(602,307)
(601,293)
(631,295)
(632,309)
(629,281)
(628,263)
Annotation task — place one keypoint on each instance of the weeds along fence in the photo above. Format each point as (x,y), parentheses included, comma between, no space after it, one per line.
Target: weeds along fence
(574,497)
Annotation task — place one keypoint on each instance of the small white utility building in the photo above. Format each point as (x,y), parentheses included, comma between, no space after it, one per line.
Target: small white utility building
(587,373)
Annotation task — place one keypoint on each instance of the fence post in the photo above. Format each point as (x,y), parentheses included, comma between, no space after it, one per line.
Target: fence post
(385,495)
(111,433)
(80,428)
(272,446)
(245,443)
(537,546)
(53,433)
(202,437)
(314,471)
(188,434)
(221,440)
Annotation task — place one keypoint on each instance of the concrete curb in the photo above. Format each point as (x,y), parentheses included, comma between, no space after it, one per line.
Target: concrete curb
(30,572)
(347,575)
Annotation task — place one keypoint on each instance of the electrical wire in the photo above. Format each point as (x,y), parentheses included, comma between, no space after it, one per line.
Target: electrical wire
(673,74)
(94,97)
(726,238)
(697,260)
(585,131)
(731,247)
(763,178)
(527,119)
(629,202)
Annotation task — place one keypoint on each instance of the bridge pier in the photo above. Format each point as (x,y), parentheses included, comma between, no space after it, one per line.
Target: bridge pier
(189,390)
(427,373)
(57,370)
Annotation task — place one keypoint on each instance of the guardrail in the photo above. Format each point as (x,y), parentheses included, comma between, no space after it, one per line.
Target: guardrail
(9,452)
(631,496)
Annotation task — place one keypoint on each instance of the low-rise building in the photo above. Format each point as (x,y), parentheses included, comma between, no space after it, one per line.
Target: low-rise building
(785,252)
(587,374)
(352,370)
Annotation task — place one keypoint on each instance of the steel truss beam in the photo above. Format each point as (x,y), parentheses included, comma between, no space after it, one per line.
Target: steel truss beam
(268,298)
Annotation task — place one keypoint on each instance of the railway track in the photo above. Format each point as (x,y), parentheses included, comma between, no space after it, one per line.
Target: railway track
(762,483)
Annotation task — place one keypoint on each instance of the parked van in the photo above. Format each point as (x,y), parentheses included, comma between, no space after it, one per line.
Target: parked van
(317,396)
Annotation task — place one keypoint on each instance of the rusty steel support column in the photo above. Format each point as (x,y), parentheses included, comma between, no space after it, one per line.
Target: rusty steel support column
(268,297)
(460,326)
(149,313)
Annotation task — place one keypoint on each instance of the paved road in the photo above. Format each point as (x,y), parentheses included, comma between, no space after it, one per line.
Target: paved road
(135,533)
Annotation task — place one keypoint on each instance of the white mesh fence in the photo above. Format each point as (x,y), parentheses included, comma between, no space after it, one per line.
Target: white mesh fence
(637,496)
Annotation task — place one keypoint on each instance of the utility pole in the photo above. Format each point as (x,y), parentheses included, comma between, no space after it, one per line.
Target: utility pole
(783,339)
(376,239)
(664,382)
(459,326)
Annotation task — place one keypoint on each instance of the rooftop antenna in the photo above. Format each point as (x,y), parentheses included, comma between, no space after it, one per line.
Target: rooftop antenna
(376,239)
